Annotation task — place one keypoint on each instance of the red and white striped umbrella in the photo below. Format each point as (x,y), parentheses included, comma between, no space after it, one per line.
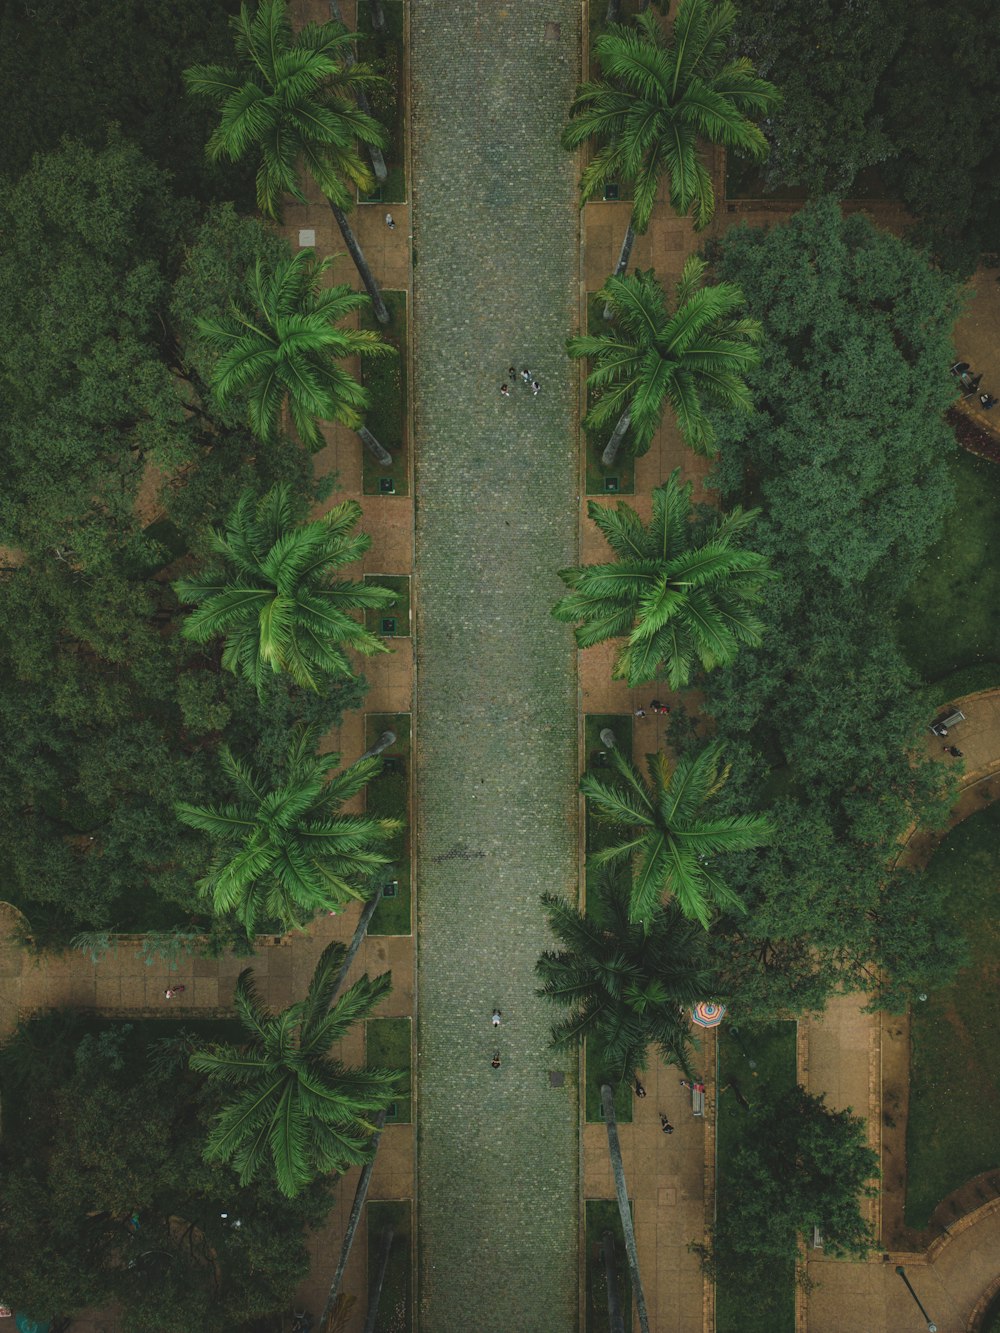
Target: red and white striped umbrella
(708,1014)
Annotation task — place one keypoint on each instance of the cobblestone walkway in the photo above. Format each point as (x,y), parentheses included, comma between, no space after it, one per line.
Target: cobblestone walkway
(495,253)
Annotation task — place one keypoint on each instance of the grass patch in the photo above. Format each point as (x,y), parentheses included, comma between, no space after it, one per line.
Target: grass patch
(950,620)
(598,836)
(395,1311)
(602,1215)
(385,379)
(389,796)
(385,51)
(953,1130)
(744,1304)
(595,441)
(400,585)
(387,1046)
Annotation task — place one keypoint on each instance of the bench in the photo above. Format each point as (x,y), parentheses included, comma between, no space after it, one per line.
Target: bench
(697,1099)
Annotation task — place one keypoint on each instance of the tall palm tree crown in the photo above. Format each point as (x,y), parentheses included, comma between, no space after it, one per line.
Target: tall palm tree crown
(665,835)
(286,854)
(286,348)
(657,97)
(649,358)
(626,985)
(274,595)
(291,95)
(678,592)
(291,1108)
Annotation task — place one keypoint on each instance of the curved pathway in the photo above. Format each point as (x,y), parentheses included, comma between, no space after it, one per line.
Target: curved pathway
(495,253)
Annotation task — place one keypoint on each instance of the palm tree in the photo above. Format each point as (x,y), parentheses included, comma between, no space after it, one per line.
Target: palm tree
(651,358)
(275,597)
(679,590)
(665,837)
(284,855)
(626,984)
(289,1107)
(658,96)
(286,348)
(291,97)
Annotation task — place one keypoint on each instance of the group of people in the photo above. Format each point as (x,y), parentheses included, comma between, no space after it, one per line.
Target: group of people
(654,707)
(970,384)
(525,376)
(665,1124)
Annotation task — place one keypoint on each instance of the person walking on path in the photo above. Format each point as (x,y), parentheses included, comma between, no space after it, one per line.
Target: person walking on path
(495,1062)
(665,1124)
(640,1091)
(389,222)
(495,1020)
(171,991)
(640,712)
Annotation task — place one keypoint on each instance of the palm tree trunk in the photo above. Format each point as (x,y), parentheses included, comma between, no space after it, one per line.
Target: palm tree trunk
(378,15)
(616,1322)
(615,443)
(375,1295)
(360,263)
(360,930)
(623,257)
(360,1194)
(615,1153)
(360,96)
(381,456)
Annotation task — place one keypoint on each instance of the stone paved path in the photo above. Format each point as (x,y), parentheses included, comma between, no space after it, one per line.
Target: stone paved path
(495,242)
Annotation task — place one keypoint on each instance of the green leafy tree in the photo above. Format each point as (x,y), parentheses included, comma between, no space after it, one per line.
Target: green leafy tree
(680,591)
(627,985)
(830,62)
(106,1197)
(799,1165)
(276,599)
(140,50)
(290,100)
(698,355)
(824,718)
(293,1110)
(286,349)
(285,853)
(657,97)
(664,833)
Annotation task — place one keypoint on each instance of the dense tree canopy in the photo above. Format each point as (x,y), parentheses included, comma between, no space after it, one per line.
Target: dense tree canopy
(845,457)
(799,1165)
(116,461)
(912,89)
(106,1197)
(75,69)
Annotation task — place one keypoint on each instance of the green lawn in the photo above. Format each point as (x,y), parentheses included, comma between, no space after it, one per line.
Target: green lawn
(385,52)
(950,622)
(395,1311)
(953,1131)
(385,379)
(387,1046)
(742,1306)
(400,585)
(594,441)
(602,1215)
(389,796)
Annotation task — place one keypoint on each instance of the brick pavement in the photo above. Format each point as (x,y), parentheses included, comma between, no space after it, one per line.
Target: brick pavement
(495,238)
